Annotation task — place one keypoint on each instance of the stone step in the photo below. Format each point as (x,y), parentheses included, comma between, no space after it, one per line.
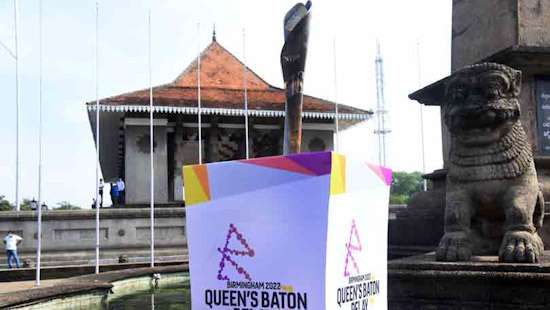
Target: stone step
(106,257)
(61,272)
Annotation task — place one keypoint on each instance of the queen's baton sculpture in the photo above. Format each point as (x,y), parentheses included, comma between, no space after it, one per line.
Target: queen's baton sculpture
(293,62)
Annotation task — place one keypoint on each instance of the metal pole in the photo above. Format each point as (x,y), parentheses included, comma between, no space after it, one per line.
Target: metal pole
(245,96)
(199,89)
(39,207)
(18,112)
(378,103)
(151,132)
(336,119)
(97,137)
(383,112)
(421,115)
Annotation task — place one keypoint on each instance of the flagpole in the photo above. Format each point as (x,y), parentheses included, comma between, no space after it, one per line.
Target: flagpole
(18,112)
(199,89)
(97,137)
(151,133)
(337,118)
(245,96)
(39,206)
(419,72)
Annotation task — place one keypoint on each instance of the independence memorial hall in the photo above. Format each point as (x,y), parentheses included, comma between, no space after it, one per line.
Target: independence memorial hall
(124,125)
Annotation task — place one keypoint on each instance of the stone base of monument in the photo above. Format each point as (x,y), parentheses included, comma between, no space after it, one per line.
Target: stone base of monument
(420,282)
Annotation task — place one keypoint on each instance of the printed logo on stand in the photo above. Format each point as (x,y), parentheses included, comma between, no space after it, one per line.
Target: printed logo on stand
(358,290)
(240,292)
(227,254)
(352,246)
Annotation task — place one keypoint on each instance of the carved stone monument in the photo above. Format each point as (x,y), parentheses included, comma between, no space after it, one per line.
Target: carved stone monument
(510,32)
(493,207)
(493,200)
(488,187)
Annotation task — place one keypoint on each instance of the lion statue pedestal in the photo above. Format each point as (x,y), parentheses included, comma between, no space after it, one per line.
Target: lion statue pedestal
(421,282)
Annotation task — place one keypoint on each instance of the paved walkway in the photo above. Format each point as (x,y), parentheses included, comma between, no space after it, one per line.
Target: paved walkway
(8,287)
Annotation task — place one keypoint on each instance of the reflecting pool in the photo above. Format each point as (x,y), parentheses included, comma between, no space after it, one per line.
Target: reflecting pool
(161,299)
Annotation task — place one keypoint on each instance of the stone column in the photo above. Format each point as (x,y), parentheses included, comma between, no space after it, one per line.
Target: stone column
(212,142)
(179,160)
(137,161)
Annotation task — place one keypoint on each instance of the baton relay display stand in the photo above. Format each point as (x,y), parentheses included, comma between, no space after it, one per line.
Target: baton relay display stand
(304,231)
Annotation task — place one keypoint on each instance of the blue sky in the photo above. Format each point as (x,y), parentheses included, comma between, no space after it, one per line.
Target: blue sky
(68,53)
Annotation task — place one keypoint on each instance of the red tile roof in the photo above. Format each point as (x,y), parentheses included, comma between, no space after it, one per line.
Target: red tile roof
(219,69)
(270,99)
(221,87)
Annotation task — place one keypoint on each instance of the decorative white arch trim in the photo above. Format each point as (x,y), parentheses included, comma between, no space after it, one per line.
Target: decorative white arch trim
(223,111)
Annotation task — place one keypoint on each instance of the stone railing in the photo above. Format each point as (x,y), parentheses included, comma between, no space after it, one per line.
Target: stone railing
(72,233)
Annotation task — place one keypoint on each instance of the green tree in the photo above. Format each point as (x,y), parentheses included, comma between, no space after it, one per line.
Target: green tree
(65,205)
(399,199)
(404,185)
(26,204)
(5,205)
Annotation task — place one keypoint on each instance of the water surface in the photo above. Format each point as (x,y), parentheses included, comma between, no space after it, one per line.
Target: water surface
(160,299)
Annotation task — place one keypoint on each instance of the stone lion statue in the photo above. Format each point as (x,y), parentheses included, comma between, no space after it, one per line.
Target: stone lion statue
(493,199)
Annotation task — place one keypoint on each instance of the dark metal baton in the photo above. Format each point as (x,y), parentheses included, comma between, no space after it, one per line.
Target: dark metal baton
(293,62)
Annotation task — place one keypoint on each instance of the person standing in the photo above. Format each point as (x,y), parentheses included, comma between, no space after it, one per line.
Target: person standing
(114,194)
(101,185)
(121,190)
(11,241)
